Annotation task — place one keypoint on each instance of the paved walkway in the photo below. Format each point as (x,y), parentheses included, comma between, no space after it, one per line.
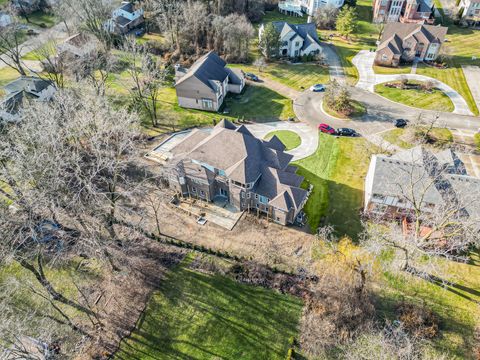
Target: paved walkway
(335,66)
(308,135)
(368,79)
(472,75)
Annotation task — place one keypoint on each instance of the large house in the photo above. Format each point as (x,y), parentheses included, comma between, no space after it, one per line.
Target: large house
(206,83)
(405,11)
(296,39)
(470,12)
(20,90)
(232,165)
(408,43)
(125,18)
(308,7)
(431,180)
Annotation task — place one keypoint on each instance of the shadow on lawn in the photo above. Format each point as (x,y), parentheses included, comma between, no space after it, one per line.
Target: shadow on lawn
(333,203)
(196,315)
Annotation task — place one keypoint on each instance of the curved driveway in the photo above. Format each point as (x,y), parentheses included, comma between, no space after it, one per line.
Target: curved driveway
(309,138)
(368,79)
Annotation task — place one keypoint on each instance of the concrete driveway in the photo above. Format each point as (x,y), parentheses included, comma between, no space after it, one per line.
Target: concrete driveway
(308,135)
(368,79)
(472,75)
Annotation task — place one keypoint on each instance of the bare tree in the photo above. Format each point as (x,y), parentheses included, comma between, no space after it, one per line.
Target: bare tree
(68,169)
(170,19)
(438,220)
(96,67)
(196,23)
(260,63)
(325,17)
(11,46)
(54,67)
(149,76)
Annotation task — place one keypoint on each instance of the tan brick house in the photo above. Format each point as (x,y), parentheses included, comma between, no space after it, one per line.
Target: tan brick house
(231,164)
(409,42)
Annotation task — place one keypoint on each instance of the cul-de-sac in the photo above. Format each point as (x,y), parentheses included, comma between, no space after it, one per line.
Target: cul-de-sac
(239,179)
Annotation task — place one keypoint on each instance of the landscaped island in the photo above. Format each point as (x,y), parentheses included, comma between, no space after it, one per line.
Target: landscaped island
(417,94)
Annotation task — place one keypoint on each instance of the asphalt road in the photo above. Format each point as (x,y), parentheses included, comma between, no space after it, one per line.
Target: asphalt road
(380,113)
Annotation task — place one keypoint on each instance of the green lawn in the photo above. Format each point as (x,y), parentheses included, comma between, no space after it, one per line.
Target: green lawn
(40,19)
(454,77)
(436,100)
(255,103)
(394,137)
(6,75)
(200,316)
(456,304)
(385,70)
(298,77)
(290,139)
(337,171)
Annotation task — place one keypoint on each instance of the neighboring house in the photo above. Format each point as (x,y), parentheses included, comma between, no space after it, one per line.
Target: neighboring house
(308,7)
(77,46)
(408,43)
(432,179)
(125,18)
(470,12)
(405,11)
(232,165)
(205,85)
(296,39)
(23,89)
(5,19)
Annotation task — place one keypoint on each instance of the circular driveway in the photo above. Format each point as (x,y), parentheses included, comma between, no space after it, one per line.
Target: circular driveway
(308,135)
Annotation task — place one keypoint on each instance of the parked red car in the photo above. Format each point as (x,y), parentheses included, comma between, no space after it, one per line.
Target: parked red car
(327,129)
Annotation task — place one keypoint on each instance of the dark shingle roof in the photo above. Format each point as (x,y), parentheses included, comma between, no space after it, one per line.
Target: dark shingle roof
(394,34)
(307,31)
(245,159)
(209,67)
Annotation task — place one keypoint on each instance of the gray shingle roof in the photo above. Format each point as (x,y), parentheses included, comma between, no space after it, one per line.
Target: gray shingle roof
(209,67)
(245,159)
(307,31)
(437,177)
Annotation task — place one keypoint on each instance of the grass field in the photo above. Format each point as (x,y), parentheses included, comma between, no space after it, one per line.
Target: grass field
(436,100)
(384,70)
(40,19)
(442,137)
(394,137)
(290,139)
(199,316)
(337,171)
(298,76)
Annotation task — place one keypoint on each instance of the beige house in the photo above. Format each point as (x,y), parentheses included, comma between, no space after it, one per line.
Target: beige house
(230,164)
(408,43)
(470,12)
(206,84)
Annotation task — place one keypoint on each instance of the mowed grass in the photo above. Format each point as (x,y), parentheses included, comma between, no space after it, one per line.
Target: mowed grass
(255,103)
(298,76)
(434,100)
(385,70)
(200,316)
(394,137)
(454,77)
(337,171)
(290,139)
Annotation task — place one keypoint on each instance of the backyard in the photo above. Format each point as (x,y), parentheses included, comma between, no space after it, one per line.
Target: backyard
(195,315)
(337,171)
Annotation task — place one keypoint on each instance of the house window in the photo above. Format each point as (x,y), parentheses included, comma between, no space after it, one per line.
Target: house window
(285,43)
(378,197)
(248,195)
(384,57)
(194,190)
(242,195)
(202,193)
(207,104)
(297,43)
(256,196)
